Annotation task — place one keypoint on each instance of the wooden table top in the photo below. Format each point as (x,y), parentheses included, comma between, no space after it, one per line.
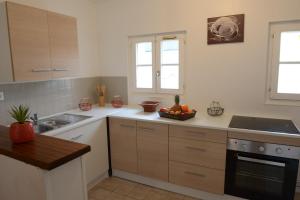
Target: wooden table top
(44,152)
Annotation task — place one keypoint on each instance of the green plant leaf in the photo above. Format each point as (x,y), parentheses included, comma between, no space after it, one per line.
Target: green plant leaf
(20,113)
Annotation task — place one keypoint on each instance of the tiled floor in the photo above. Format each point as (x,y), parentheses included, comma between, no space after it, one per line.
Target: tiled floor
(120,189)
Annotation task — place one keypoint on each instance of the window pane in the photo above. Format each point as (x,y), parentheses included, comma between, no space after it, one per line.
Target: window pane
(144,76)
(170,77)
(288,79)
(290,46)
(144,53)
(169,52)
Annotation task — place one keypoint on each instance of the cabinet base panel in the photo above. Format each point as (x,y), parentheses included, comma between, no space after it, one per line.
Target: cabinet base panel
(171,187)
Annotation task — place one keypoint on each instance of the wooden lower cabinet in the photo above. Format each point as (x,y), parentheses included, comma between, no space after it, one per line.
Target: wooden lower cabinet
(152,145)
(202,178)
(123,144)
(200,153)
(184,156)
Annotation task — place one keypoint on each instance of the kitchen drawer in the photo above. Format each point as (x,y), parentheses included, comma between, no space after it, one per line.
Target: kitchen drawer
(123,144)
(74,135)
(211,135)
(201,178)
(198,152)
(153,153)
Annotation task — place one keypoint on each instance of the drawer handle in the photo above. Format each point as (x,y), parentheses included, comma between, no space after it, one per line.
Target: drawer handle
(41,70)
(146,129)
(60,69)
(195,174)
(195,148)
(196,132)
(76,138)
(127,126)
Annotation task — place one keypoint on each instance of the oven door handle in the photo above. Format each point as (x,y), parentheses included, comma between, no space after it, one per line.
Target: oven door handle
(267,162)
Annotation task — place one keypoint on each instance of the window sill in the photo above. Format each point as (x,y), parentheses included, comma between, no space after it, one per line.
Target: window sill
(279,102)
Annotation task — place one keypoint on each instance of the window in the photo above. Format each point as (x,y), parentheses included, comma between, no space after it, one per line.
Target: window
(285,61)
(157,63)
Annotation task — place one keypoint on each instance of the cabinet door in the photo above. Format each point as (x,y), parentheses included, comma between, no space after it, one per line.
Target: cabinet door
(123,144)
(95,135)
(63,45)
(29,40)
(152,143)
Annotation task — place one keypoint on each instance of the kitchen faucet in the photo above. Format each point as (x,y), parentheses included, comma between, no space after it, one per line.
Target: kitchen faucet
(35,119)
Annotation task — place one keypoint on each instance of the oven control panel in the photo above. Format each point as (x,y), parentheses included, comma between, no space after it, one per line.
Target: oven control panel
(264,148)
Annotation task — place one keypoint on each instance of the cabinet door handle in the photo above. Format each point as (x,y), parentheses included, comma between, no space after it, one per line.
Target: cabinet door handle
(41,70)
(195,174)
(76,138)
(146,128)
(195,148)
(127,126)
(60,69)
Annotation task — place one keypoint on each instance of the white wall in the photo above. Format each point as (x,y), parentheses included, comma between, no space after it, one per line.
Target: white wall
(85,12)
(234,74)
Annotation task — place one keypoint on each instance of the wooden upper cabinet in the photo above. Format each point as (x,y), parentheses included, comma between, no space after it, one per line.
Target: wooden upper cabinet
(43,44)
(29,40)
(63,45)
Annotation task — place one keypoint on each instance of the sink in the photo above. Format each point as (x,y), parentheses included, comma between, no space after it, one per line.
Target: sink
(41,128)
(58,121)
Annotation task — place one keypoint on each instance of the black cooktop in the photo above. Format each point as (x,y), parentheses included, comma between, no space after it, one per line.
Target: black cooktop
(263,124)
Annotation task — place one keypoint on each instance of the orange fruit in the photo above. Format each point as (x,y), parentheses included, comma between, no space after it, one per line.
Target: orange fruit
(185,108)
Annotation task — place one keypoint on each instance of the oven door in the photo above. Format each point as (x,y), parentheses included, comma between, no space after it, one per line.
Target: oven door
(260,177)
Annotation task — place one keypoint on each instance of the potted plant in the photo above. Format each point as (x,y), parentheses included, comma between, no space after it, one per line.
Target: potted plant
(22,130)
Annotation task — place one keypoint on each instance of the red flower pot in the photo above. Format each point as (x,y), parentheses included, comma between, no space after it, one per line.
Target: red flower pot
(20,133)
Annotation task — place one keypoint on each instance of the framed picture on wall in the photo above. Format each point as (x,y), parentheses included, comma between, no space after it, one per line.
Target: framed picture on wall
(225,29)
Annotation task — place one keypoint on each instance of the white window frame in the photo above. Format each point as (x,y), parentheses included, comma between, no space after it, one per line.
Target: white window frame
(156,62)
(274,59)
(133,43)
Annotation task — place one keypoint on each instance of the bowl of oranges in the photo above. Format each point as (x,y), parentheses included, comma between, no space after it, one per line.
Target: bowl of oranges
(177,111)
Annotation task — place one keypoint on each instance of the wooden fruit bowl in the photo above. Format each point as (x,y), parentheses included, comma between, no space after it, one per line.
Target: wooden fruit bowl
(149,106)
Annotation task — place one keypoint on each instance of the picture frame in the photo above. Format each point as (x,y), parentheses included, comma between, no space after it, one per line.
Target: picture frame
(225,29)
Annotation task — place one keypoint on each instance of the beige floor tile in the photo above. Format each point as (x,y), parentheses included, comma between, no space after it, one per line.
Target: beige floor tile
(120,189)
(124,187)
(109,184)
(127,198)
(99,194)
(160,191)
(114,196)
(157,195)
(175,196)
(191,198)
(139,192)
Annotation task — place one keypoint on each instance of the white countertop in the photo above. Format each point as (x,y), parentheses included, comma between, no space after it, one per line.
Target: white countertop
(202,120)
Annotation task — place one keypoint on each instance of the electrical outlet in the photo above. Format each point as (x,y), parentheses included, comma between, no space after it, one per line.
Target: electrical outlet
(1,96)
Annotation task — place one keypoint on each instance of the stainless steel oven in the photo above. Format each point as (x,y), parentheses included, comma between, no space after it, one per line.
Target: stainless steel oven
(261,171)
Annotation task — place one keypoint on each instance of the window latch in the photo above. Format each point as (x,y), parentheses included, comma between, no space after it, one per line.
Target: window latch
(157,73)
(169,37)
